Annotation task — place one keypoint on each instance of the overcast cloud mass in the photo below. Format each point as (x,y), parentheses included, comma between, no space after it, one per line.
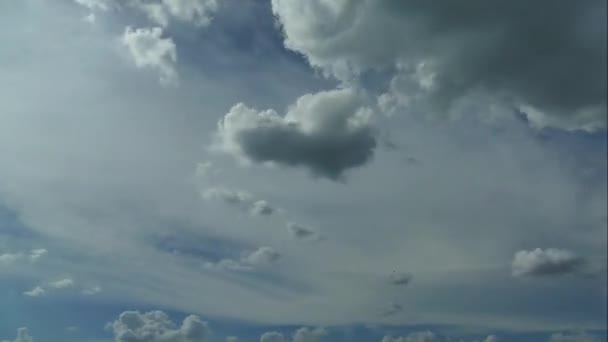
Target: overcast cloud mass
(303,171)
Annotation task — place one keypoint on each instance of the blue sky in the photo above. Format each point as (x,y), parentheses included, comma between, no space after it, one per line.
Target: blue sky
(278,170)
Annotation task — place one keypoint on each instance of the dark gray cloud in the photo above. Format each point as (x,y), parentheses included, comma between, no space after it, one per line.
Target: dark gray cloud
(301,232)
(544,58)
(327,132)
(548,262)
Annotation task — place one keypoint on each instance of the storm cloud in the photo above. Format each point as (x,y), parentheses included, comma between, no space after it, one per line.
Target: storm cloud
(544,59)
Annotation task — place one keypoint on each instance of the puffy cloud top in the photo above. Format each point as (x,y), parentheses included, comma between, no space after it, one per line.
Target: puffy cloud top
(327,132)
(155,326)
(546,60)
(550,261)
(149,49)
(272,337)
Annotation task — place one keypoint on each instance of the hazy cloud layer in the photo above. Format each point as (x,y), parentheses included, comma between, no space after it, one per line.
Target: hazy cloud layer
(327,133)
(573,337)
(553,69)
(548,262)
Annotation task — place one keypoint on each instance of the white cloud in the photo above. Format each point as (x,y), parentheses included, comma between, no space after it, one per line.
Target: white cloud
(327,133)
(9,258)
(197,12)
(551,261)
(149,49)
(62,283)
(22,336)
(232,339)
(447,55)
(259,258)
(423,336)
(156,326)
(101,5)
(309,334)
(36,254)
(92,290)
(35,292)
(272,336)
(491,338)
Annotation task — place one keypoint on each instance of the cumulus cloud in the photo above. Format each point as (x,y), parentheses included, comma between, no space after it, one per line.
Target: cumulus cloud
(553,70)
(232,339)
(327,133)
(61,285)
(272,336)
(491,338)
(241,199)
(260,257)
(156,326)
(423,336)
(92,290)
(301,232)
(22,336)
(551,261)
(306,334)
(149,49)
(400,278)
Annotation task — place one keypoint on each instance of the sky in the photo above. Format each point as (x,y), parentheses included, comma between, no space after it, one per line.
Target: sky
(303,171)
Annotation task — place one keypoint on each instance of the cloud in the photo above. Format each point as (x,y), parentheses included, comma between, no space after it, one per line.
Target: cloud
(35,292)
(232,339)
(301,232)
(423,336)
(155,326)
(196,12)
(391,310)
(573,337)
(258,258)
(36,254)
(272,336)
(92,290)
(62,283)
(553,70)
(242,199)
(327,133)
(491,338)
(306,334)
(548,262)
(400,278)
(22,336)
(101,5)
(149,49)
(9,258)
